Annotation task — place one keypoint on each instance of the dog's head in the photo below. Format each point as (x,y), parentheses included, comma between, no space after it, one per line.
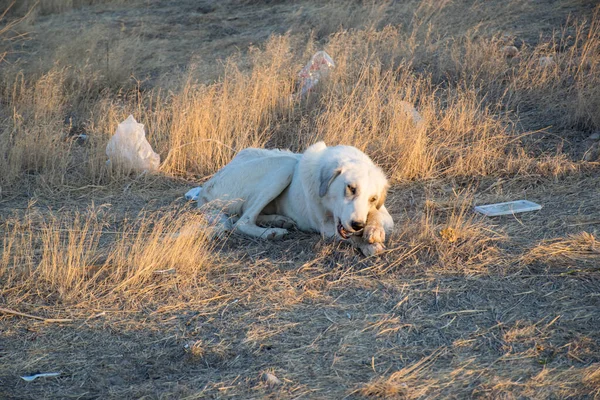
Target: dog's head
(350,188)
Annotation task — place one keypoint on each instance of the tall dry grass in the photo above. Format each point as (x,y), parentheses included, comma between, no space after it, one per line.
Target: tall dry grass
(33,137)
(477,106)
(468,94)
(446,237)
(470,122)
(84,257)
(8,35)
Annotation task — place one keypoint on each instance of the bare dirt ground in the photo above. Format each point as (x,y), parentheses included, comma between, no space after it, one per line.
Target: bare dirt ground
(459,305)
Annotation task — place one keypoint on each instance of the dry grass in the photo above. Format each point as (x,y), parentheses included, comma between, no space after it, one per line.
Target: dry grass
(82,257)
(576,251)
(6,34)
(45,7)
(459,306)
(198,128)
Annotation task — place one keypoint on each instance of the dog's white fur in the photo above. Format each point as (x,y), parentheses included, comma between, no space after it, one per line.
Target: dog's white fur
(316,191)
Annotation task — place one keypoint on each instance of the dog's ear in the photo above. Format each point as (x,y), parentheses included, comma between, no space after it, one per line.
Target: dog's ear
(382,197)
(328,174)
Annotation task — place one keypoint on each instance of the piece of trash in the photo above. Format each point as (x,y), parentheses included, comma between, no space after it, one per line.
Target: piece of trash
(29,378)
(510,207)
(319,67)
(170,271)
(271,379)
(81,139)
(194,193)
(129,150)
(412,112)
(546,61)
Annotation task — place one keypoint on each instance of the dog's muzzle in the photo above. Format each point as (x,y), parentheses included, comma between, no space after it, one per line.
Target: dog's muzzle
(344,233)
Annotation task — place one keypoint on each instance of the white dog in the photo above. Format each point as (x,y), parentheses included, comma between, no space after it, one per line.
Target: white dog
(336,191)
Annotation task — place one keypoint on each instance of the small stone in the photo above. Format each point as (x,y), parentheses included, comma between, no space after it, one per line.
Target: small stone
(593,153)
(510,51)
(595,136)
(271,379)
(589,156)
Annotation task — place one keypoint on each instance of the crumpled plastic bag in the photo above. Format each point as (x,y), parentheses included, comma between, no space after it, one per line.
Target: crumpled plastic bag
(319,67)
(129,150)
(193,194)
(412,113)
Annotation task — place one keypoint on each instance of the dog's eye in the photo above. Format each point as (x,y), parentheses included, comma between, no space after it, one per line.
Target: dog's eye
(351,189)
(373,199)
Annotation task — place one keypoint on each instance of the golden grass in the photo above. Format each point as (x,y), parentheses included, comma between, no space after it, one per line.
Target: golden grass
(577,250)
(415,381)
(198,128)
(448,235)
(380,327)
(410,382)
(592,378)
(80,257)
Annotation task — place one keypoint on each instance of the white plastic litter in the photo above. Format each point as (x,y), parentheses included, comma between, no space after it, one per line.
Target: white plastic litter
(30,378)
(171,271)
(510,207)
(412,113)
(546,61)
(194,193)
(319,67)
(129,150)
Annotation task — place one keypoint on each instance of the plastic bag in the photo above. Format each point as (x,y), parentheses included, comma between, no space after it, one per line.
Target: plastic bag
(129,150)
(194,193)
(319,67)
(412,113)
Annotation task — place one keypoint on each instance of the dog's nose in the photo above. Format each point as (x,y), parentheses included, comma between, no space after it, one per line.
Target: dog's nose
(357,226)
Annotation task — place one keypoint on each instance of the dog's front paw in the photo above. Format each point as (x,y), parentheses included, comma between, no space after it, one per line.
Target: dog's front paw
(374,234)
(372,249)
(274,233)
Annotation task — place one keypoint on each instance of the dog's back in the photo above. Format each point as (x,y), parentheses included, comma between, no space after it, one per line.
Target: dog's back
(239,179)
